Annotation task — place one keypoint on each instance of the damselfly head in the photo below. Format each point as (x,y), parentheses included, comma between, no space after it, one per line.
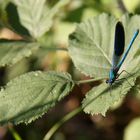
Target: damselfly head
(110,81)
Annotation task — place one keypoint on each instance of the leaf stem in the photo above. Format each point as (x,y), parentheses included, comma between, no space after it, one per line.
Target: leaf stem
(61,122)
(87,81)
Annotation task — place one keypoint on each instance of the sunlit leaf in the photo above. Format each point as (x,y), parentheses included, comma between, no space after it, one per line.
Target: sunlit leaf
(13,51)
(91,45)
(91,49)
(36,16)
(100,99)
(29,96)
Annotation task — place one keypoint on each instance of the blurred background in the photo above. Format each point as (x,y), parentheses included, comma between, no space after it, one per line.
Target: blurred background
(122,122)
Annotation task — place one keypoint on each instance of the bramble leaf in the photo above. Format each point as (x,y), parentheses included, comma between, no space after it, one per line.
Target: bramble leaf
(91,49)
(99,99)
(29,96)
(91,44)
(36,16)
(13,51)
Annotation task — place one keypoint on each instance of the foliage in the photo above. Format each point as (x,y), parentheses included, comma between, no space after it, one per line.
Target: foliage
(13,51)
(91,51)
(27,97)
(90,46)
(37,21)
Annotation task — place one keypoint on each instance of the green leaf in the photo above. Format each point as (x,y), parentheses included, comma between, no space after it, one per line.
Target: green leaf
(99,99)
(91,49)
(36,16)
(132,130)
(91,45)
(13,19)
(13,51)
(29,96)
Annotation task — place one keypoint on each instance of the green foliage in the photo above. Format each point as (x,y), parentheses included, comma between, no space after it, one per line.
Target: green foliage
(29,96)
(13,20)
(89,42)
(91,49)
(132,130)
(13,51)
(37,20)
(99,99)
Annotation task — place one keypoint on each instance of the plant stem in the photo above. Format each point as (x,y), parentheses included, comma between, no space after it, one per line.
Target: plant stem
(61,122)
(15,134)
(87,81)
